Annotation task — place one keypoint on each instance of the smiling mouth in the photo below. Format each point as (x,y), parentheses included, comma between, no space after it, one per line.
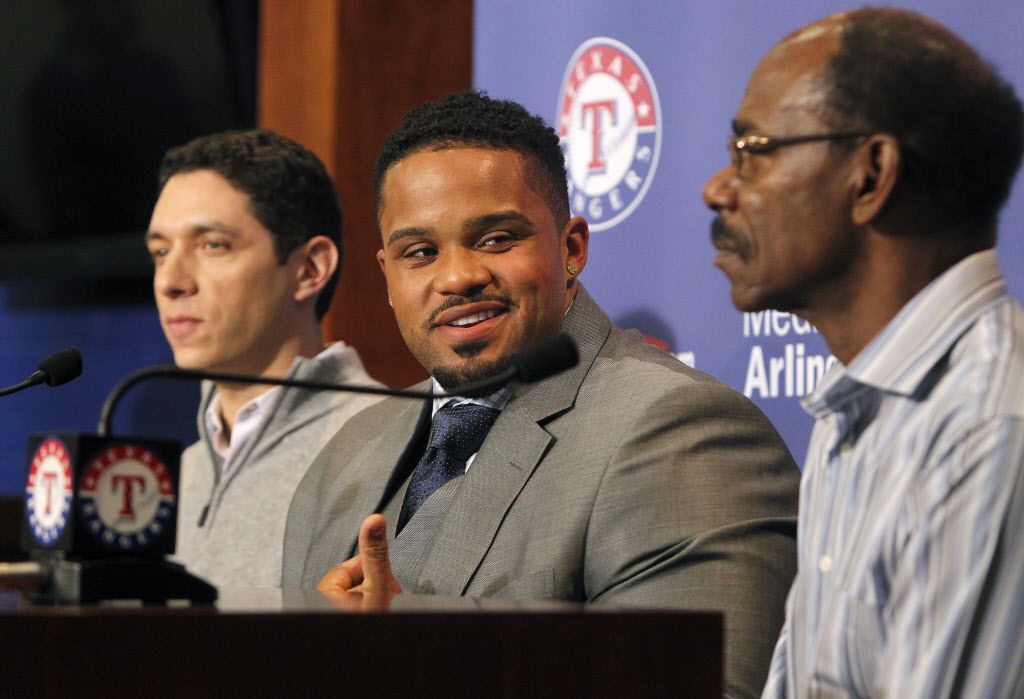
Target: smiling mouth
(468,328)
(475,318)
(469,311)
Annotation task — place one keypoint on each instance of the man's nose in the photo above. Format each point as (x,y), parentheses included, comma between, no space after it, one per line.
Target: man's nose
(174,276)
(720,190)
(462,271)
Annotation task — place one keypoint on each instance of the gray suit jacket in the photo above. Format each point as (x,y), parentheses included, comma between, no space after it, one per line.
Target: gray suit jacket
(628,480)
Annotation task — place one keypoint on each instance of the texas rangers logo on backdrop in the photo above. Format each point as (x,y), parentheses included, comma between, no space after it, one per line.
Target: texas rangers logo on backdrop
(48,491)
(609,124)
(127,497)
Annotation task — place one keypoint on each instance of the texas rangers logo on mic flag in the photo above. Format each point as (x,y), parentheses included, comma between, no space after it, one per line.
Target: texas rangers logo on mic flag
(127,497)
(49,491)
(609,124)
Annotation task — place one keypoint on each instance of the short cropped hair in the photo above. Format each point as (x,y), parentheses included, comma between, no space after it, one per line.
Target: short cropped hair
(289,190)
(472,119)
(959,123)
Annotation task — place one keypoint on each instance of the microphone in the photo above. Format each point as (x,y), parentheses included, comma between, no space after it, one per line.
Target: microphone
(57,369)
(547,359)
(100,510)
(544,359)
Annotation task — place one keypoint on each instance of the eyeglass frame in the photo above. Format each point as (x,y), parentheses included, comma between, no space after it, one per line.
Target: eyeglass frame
(754,144)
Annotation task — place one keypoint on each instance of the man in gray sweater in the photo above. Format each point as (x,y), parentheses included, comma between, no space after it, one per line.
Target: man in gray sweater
(246,244)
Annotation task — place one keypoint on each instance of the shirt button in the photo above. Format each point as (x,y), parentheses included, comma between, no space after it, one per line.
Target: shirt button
(825,563)
(845,448)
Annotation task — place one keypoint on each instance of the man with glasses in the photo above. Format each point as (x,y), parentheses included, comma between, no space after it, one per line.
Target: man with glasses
(872,153)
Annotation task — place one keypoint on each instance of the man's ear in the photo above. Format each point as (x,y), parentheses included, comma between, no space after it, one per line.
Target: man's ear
(380,261)
(576,239)
(317,264)
(878,164)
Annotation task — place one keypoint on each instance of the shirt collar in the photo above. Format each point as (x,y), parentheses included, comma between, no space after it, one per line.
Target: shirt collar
(253,410)
(256,406)
(902,355)
(497,400)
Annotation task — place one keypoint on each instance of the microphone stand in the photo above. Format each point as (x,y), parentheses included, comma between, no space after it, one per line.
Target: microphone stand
(169,371)
(548,357)
(34,380)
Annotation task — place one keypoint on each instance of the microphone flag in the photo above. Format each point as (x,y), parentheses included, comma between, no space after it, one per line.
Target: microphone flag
(100,517)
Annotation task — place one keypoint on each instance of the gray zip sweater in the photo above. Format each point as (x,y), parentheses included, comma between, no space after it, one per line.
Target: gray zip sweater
(230,531)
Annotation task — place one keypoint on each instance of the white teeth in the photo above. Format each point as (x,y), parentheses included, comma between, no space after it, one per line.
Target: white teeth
(475,318)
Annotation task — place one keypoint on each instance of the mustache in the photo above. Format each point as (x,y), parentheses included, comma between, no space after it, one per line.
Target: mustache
(453,301)
(725,238)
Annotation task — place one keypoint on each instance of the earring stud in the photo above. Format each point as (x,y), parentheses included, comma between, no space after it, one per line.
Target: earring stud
(571,268)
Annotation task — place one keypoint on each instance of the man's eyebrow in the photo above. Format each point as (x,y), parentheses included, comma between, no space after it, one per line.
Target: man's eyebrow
(741,126)
(472,225)
(408,232)
(197,229)
(495,219)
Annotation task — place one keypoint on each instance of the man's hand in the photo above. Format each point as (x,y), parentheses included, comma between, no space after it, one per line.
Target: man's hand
(365,581)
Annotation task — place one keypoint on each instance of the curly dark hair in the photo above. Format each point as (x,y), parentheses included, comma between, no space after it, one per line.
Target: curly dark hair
(289,190)
(472,118)
(959,123)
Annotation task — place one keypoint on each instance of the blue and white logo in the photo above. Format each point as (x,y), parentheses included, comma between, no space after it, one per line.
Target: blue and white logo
(49,491)
(609,124)
(127,497)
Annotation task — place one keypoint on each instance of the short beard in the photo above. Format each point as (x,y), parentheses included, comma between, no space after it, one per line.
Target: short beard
(468,350)
(451,378)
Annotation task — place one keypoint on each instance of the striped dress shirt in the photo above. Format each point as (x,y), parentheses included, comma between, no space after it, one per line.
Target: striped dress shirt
(911,527)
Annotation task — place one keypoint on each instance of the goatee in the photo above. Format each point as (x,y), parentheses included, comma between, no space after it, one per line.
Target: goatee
(451,378)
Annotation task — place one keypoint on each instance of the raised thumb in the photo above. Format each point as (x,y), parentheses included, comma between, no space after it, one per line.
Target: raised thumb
(373,553)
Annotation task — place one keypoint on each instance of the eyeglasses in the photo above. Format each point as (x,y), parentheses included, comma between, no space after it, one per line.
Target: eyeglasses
(742,147)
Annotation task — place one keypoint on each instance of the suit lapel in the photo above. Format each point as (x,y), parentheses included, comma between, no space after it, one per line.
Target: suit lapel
(514,448)
(385,462)
(502,467)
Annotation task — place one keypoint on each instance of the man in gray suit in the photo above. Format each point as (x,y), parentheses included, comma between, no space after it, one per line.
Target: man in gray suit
(630,479)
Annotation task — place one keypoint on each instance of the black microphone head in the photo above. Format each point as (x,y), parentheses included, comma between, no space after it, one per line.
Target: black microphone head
(546,359)
(61,367)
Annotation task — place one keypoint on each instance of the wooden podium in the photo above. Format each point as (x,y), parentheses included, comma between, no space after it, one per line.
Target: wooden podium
(295,643)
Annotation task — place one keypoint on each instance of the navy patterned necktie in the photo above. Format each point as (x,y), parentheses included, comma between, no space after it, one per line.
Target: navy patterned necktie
(456,433)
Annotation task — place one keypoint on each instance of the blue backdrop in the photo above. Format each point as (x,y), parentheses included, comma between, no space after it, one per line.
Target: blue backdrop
(652,269)
(114,341)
